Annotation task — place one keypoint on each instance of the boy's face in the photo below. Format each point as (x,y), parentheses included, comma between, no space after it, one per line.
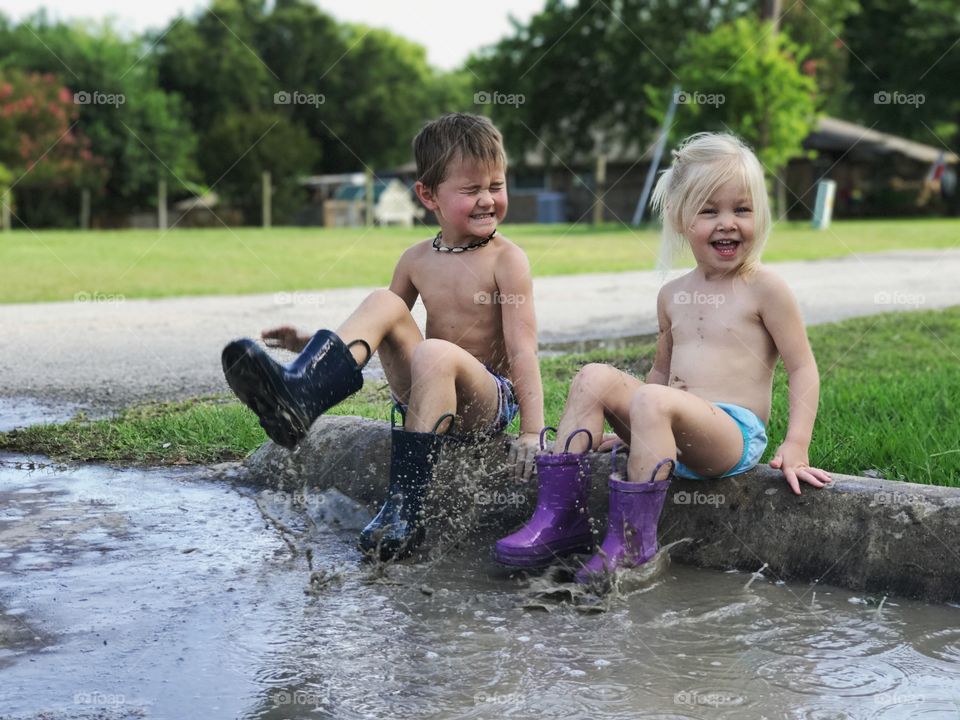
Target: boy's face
(470,203)
(722,232)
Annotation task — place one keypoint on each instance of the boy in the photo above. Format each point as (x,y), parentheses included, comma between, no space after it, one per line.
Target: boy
(478,361)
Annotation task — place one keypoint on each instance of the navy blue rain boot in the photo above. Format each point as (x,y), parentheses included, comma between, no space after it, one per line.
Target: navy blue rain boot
(398,528)
(288,398)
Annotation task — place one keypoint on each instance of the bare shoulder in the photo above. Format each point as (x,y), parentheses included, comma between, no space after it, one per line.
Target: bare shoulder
(416,251)
(511,258)
(768,285)
(667,292)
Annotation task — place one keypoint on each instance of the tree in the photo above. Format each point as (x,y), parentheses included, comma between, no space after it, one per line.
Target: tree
(904,68)
(240,146)
(140,131)
(733,82)
(582,69)
(41,146)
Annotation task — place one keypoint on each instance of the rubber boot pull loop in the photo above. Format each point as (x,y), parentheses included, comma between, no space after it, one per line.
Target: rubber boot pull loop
(673,467)
(453,419)
(361,366)
(543,436)
(566,446)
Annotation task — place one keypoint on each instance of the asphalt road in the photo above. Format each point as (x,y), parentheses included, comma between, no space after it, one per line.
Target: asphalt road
(102,353)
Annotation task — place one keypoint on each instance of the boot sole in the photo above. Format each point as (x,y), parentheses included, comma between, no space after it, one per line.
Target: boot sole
(256,385)
(544,555)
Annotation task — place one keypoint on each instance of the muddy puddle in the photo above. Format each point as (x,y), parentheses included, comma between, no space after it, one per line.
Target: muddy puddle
(166,594)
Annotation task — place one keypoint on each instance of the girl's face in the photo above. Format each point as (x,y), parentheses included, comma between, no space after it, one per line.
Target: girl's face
(722,232)
(469,203)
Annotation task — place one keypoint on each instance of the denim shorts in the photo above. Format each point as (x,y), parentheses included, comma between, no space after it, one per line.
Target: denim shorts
(507,405)
(754,442)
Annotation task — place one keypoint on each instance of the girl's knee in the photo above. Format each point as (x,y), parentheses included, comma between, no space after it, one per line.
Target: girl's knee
(650,401)
(592,377)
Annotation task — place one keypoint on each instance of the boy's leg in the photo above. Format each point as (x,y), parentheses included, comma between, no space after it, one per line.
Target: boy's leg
(665,419)
(597,392)
(384,321)
(445,378)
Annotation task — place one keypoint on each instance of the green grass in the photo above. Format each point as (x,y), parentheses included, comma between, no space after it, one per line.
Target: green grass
(59,265)
(889,385)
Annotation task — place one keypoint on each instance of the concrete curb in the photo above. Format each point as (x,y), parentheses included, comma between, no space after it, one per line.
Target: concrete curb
(864,534)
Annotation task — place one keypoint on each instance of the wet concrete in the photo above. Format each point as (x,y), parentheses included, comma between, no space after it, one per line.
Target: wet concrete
(165,594)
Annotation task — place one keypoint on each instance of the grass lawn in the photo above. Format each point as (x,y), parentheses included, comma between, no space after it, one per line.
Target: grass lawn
(57,265)
(889,385)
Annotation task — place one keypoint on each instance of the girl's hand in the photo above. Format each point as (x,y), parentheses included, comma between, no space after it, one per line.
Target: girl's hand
(792,459)
(285,337)
(609,440)
(521,455)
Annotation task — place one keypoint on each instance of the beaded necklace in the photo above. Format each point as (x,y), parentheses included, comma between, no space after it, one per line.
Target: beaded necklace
(440,247)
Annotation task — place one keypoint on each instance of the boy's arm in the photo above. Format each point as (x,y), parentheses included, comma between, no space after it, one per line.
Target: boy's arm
(402,282)
(520,336)
(660,372)
(781,316)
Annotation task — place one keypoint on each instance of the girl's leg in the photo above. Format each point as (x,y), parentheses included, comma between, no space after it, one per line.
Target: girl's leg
(664,419)
(384,321)
(445,378)
(597,392)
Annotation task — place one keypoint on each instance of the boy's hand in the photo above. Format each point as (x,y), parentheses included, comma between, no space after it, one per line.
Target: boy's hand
(521,455)
(285,337)
(792,459)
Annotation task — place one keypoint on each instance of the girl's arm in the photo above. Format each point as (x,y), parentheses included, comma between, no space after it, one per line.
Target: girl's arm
(781,316)
(660,372)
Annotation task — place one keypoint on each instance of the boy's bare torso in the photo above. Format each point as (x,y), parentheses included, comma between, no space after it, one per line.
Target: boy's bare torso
(463,302)
(721,350)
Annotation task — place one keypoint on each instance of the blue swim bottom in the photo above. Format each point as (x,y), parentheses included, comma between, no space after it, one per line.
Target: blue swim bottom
(754,442)
(507,405)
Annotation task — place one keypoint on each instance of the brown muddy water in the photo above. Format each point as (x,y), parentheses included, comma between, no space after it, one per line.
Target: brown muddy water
(168,594)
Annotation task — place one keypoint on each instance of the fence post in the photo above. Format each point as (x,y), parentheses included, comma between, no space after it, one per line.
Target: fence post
(266,199)
(162,205)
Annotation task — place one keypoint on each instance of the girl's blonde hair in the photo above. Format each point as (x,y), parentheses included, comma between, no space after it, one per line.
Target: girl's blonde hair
(702,164)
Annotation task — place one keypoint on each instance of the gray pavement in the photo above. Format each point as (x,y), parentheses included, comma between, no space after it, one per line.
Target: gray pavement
(108,352)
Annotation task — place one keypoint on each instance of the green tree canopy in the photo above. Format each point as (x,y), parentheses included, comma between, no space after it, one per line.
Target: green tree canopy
(733,82)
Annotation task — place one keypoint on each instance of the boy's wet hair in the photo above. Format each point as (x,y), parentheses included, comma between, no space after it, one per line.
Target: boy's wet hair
(701,164)
(454,137)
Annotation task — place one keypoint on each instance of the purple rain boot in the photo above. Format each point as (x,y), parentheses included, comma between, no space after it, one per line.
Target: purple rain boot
(631,525)
(561,522)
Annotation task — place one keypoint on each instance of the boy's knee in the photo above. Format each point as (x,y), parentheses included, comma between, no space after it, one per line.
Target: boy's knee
(387,299)
(650,400)
(432,357)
